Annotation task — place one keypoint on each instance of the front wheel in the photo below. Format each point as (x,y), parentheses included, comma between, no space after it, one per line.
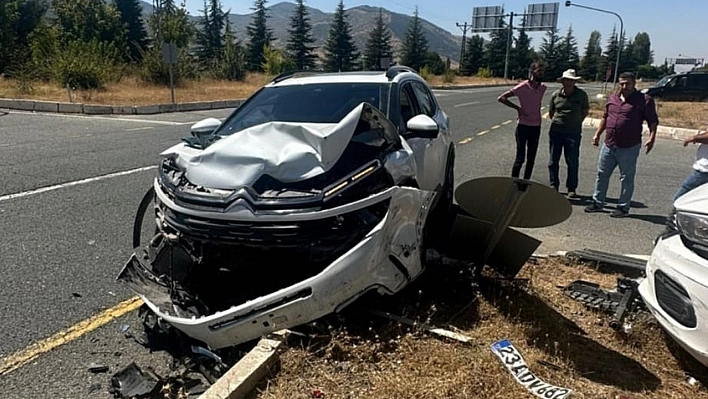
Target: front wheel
(439,223)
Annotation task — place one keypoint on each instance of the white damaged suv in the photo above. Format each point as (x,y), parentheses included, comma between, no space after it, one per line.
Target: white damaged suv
(319,188)
(676,287)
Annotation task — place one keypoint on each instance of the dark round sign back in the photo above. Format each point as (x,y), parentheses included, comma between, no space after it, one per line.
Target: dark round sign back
(540,206)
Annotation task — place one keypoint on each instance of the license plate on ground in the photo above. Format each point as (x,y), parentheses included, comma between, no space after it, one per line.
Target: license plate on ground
(514,362)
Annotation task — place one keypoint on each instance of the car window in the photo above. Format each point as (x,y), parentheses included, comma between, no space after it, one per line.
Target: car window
(425,99)
(409,106)
(310,103)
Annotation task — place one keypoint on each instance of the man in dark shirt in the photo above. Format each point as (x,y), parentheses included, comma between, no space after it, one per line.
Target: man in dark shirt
(624,114)
(567,109)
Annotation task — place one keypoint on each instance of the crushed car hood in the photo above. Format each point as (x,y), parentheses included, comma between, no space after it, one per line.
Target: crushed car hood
(289,152)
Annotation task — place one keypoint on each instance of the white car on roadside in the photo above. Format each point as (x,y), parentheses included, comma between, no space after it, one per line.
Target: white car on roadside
(316,190)
(676,287)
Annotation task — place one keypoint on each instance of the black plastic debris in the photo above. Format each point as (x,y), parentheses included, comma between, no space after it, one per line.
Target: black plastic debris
(625,299)
(626,265)
(94,388)
(97,368)
(133,382)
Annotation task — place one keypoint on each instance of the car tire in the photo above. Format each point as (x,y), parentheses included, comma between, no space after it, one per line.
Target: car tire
(439,222)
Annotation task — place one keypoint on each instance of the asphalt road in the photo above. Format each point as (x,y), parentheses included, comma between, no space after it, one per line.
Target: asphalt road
(71,185)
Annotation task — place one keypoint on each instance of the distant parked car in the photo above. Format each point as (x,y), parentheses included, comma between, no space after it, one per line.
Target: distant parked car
(688,86)
(676,287)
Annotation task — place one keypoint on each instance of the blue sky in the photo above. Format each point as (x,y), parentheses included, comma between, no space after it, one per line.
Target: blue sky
(676,28)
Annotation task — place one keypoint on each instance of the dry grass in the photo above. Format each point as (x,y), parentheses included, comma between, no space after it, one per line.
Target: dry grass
(132,91)
(468,80)
(355,356)
(691,115)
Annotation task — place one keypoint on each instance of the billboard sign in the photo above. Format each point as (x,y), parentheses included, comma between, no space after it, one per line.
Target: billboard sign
(541,17)
(487,19)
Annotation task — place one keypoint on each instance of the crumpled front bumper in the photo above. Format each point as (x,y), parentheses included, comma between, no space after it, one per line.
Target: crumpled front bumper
(386,260)
(687,270)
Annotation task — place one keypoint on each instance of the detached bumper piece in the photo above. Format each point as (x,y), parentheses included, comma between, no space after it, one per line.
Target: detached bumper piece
(619,303)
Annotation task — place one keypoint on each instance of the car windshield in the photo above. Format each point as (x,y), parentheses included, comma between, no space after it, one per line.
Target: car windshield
(663,81)
(310,103)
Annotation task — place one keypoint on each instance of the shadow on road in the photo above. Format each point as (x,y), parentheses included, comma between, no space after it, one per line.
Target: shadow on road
(656,219)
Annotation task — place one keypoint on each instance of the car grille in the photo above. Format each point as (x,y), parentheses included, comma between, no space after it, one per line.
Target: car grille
(674,299)
(315,240)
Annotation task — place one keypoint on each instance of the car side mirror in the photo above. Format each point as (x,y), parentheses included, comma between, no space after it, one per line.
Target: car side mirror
(205,128)
(422,126)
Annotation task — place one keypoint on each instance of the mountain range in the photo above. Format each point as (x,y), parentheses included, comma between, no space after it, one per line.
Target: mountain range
(362,20)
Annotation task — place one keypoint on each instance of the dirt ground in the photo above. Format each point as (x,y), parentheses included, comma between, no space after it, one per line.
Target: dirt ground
(358,355)
(690,115)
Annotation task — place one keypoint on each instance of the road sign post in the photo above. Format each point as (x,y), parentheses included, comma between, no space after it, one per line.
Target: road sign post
(169,57)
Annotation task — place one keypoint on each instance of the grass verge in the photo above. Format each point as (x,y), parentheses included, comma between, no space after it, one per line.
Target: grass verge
(355,356)
(690,115)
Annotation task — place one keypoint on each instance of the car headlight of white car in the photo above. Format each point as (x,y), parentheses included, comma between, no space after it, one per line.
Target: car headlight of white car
(693,227)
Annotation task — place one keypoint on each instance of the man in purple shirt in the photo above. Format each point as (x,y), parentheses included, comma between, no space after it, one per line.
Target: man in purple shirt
(528,130)
(625,113)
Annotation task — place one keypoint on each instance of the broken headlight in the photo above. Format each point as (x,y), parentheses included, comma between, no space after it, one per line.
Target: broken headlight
(694,227)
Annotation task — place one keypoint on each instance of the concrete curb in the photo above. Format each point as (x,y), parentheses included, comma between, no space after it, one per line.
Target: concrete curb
(244,376)
(464,87)
(666,132)
(99,109)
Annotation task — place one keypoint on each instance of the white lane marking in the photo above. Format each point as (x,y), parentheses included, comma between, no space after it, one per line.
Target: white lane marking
(75,183)
(466,104)
(506,122)
(496,127)
(466,140)
(482,133)
(135,129)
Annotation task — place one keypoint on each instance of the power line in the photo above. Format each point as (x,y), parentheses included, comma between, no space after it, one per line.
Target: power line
(464,28)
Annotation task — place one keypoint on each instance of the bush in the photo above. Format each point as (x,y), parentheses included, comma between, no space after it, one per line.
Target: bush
(483,72)
(449,76)
(157,72)
(426,73)
(232,65)
(83,65)
(275,62)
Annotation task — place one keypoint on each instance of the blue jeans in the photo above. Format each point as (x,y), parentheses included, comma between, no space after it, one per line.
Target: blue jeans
(626,159)
(569,145)
(693,180)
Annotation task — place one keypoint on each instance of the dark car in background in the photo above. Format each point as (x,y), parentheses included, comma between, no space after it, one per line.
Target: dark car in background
(687,86)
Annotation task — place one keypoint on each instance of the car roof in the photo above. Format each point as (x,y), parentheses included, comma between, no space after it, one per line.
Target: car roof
(392,75)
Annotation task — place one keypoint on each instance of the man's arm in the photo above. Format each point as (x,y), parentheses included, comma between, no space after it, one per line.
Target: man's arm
(652,120)
(700,138)
(552,106)
(504,99)
(599,131)
(585,107)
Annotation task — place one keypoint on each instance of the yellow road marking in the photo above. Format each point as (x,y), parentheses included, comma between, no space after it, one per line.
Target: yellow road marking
(24,356)
(465,141)
(506,122)
(482,133)
(496,127)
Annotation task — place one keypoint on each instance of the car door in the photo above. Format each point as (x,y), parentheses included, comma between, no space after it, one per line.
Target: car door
(430,151)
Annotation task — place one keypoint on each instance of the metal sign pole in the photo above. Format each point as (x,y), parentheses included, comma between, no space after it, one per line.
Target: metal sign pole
(508,45)
(506,213)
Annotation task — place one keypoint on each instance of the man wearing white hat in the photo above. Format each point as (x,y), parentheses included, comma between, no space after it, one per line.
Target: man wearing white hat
(567,109)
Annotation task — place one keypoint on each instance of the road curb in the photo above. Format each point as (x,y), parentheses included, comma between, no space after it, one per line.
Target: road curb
(101,109)
(465,87)
(247,373)
(666,132)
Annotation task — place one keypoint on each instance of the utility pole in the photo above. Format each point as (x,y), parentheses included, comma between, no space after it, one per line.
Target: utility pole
(464,28)
(508,45)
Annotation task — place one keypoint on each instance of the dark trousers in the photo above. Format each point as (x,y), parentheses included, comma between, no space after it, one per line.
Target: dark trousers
(569,145)
(526,148)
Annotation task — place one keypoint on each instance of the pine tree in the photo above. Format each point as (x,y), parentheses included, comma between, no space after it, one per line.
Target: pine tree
(259,36)
(628,62)
(231,65)
(379,44)
(210,38)
(415,44)
(130,15)
(550,54)
(495,50)
(610,57)
(522,55)
(642,49)
(590,63)
(18,20)
(473,56)
(340,51)
(568,56)
(300,39)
